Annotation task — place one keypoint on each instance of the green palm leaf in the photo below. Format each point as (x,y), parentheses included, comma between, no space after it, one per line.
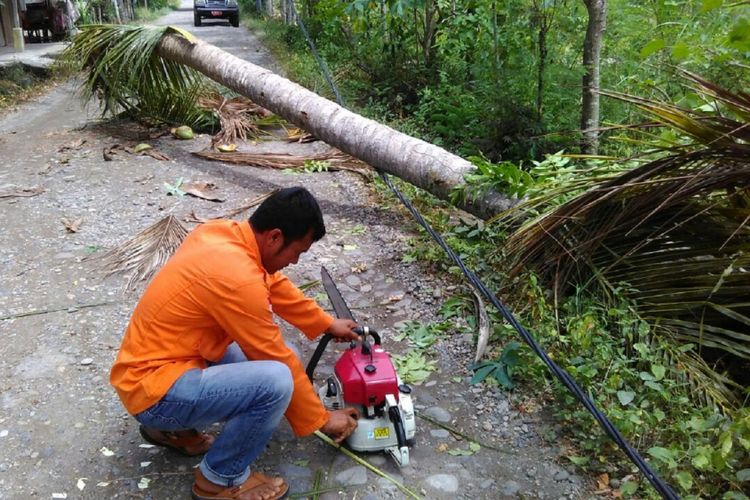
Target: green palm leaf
(123,70)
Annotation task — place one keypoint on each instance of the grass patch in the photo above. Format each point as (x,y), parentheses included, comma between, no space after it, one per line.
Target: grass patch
(18,84)
(145,15)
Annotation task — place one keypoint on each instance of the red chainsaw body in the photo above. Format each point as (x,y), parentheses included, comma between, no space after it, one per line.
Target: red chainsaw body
(366,378)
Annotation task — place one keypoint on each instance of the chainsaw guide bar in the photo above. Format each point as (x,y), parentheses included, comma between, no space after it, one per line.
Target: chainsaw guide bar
(365,378)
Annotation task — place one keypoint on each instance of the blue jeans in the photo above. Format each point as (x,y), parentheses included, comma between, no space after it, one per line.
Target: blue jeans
(250,396)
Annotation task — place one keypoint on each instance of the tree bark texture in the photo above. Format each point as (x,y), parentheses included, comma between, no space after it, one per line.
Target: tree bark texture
(592,48)
(542,42)
(415,161)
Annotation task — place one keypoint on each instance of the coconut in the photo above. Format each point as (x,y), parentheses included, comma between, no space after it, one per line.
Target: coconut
(183,132)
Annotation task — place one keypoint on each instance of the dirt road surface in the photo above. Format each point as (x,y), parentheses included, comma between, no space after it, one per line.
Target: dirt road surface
(64,433)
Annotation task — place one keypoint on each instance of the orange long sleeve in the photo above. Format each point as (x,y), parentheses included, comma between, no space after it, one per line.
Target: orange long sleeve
(214,291)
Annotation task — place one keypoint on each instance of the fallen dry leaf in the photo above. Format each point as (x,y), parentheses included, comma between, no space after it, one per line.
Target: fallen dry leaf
(144,179)
(71,225)
(156,154)
(602,482)
(392,298)
(194,218)
(442,448)
(200,190)
(110,152)
(359,268)
(77,144)
(13,192)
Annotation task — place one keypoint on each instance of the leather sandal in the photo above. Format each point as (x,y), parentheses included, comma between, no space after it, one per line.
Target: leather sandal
(257,487)
(190,442)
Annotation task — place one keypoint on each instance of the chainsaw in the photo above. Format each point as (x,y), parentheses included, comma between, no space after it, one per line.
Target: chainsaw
(365,378)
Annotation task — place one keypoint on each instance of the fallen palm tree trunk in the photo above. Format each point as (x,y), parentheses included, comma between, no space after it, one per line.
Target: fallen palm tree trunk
(413,160)
(159,71)
(422,164)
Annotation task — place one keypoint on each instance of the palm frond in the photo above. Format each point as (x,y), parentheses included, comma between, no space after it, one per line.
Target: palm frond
(336,160)
(711,387)
(144,254)
(123,69)
(237,115)
(672,235)
(245,206)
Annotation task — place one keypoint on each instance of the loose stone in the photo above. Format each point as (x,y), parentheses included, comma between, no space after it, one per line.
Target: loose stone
(445,483)
(561,475)
(439,433)
(438,414)
(353,280)
(510,488)
(353,476)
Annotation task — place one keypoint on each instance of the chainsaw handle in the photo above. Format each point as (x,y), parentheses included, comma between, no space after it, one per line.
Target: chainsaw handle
(361,332)
(325,339)
(317,355)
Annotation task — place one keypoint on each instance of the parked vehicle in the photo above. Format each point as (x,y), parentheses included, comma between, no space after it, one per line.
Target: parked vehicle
(216,9)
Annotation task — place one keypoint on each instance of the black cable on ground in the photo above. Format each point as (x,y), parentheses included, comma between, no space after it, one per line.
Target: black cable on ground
(660,485)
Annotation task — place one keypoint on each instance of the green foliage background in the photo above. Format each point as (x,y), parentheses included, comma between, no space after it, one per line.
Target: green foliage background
(469,83)
(464,74)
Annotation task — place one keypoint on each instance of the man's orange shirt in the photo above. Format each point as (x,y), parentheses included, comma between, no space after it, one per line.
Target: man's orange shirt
(213,291)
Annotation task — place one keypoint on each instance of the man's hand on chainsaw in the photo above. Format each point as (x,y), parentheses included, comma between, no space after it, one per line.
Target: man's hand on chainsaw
(341,423)
(342,330)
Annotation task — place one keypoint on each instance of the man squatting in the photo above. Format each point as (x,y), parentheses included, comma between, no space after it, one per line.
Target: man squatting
(202,347)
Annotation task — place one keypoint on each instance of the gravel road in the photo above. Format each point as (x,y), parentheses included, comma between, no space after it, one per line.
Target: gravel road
(63,432)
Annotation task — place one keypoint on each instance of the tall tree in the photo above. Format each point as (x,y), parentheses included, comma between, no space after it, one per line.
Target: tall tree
(543,14)
(592,48)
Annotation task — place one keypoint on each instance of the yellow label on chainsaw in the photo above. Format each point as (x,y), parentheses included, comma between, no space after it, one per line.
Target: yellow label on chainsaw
(382,432)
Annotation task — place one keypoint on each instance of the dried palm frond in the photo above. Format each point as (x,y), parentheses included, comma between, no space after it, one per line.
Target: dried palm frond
(16,192)
(299,135)
(146,253)
(237,117)
(483,326)
(708,125)
(336,160)
(672,235)
(246,205)
(710,386)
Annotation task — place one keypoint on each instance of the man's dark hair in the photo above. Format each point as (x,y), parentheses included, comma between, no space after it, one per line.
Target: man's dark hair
(293,210)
